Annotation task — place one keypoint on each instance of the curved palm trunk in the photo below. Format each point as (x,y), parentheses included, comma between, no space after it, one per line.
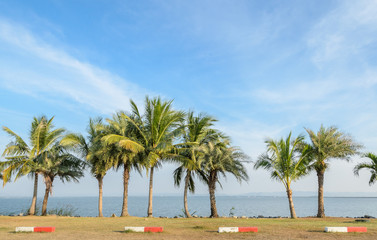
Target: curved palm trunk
(100,193)
(291,206)
(321,204)
(187,179)
(150,203)
(48,182)
(34,200)
(212,188)
(126,178)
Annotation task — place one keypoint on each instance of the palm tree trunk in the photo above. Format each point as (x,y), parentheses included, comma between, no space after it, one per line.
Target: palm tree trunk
(321,204)
(34,200)
(100,184)
(48,182)
(291,206)
(126,178)
(212,188)
(150,194)
(187,179)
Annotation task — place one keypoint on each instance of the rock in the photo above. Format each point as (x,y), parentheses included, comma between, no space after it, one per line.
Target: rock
(243,217)
(235,217)
(195,216)
(113,215)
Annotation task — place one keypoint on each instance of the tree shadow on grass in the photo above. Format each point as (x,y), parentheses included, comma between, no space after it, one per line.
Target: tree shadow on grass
(317,231)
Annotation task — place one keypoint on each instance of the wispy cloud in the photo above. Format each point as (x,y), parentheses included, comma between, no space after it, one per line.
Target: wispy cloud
(41,70)
(343,90)
(344,32)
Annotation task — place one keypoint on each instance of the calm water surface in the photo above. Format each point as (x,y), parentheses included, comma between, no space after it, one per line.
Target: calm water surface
(199,205)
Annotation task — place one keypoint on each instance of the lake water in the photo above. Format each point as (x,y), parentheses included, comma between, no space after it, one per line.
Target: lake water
(199,205)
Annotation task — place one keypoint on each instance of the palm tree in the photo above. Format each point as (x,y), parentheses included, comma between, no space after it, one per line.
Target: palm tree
(21,157)
(58,163)
(286,163)
(196,133)
(220,158)
(371,166)
(92,150)
(326,144)
(156,130)
(123,151)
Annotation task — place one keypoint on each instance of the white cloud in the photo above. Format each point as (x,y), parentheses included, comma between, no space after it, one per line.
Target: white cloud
(42,70)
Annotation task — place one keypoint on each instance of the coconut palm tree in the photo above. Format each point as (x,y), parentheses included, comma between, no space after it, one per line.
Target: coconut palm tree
(219,159)
(196,133)
(286,163)
(328,143)
(371,166)
(156,130)
(21,157)
(93,151)
(58,163)
(123,150)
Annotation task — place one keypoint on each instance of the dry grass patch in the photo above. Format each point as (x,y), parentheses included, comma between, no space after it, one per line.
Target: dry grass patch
(196,228)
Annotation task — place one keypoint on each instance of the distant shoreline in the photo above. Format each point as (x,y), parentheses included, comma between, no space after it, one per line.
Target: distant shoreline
(199,195)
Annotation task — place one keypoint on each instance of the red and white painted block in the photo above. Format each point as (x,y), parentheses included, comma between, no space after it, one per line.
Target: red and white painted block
(35,229)
(345,229)
(144,229)
(237,229)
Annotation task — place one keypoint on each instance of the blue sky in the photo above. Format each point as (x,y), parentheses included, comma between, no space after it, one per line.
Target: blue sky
(263,68)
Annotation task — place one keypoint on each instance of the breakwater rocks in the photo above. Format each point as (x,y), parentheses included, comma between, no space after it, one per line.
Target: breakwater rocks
(359,218)
(234,217)
(271,217)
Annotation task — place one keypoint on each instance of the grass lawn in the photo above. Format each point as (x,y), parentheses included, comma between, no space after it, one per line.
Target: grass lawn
(197,228)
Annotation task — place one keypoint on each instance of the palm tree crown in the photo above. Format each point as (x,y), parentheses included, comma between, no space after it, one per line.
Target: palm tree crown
(371,166)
